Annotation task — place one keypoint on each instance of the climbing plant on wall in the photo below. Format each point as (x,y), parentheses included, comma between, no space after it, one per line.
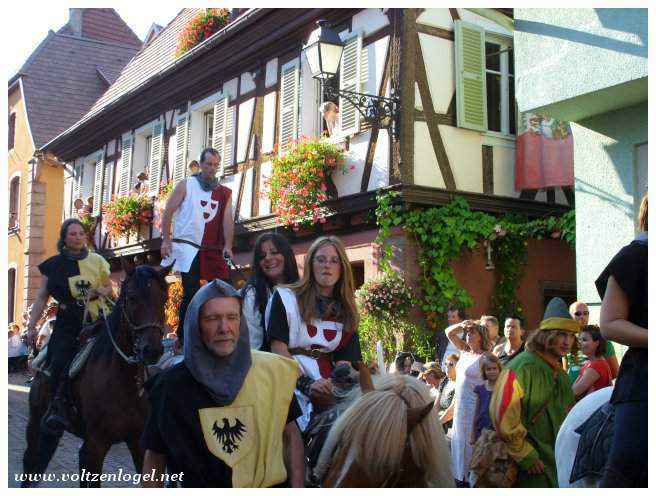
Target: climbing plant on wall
(442,232)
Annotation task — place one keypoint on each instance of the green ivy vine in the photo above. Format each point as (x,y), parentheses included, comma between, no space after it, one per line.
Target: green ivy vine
(442,232)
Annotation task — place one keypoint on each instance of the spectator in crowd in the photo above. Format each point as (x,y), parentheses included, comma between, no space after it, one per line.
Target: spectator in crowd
(88,208)
(532,397)
(580,312)
(514,344)
(454,316)
(492,325)
(433,375)
(193,167)
(273,263)
(447,393)
(17,350)
(623,318)
(468,377)
(79,210)
(490,369)
(595,373)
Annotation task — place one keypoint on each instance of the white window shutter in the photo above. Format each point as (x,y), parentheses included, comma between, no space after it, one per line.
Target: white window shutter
(107,180)
(77,179)
(229,140)
(125,170)
(471,97)
(156,156)
(98,185)
(349,80)
(289,95)
(219,128)
(181,143)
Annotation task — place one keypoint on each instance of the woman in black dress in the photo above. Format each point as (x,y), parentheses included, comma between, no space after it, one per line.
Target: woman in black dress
(75,278)
(623,319)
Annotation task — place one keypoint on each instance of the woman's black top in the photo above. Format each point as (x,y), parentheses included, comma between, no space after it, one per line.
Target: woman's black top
(629,269)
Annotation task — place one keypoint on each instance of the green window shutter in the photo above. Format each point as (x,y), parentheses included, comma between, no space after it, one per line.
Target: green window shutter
(219,128)
(350,80)
(471,96)
(181,146)
(156,157)
(98,183)
(289,95)
(125,170)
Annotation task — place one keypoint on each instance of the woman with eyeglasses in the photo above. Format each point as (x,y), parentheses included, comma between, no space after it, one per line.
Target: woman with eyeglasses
(315,321)
(468,376)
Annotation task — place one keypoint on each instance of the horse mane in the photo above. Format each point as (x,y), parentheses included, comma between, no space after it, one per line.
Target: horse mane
(372,433)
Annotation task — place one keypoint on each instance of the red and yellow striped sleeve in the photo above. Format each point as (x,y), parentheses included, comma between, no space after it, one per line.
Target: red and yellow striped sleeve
(506,415)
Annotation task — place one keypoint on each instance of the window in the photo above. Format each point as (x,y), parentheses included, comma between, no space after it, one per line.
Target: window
(12,130)
(14,202)
(500,86)
(485,83)
(12,290)
(209,129)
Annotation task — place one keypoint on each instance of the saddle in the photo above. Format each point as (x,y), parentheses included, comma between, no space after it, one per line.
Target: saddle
(594,445)
(81,358)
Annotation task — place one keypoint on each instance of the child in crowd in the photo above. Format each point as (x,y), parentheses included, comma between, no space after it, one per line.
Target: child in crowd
(490,370)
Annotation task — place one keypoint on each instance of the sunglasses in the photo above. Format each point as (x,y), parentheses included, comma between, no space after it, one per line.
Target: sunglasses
(578,314)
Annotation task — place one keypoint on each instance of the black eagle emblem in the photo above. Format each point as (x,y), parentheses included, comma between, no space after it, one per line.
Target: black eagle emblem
(229,435)
(83,287)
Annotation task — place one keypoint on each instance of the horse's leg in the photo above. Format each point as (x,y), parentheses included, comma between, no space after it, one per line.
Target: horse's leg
(137,454)
(92,457)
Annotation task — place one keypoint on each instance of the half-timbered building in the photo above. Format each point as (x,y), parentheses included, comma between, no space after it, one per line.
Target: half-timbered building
(248,88)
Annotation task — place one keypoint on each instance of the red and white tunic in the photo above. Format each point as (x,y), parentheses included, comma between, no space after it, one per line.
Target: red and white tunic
(199,219)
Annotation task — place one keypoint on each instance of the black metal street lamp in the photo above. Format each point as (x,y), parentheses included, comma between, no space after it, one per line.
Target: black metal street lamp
(324,51)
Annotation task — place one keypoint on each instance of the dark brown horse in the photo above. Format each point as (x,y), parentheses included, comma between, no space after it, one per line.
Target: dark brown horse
(108,404)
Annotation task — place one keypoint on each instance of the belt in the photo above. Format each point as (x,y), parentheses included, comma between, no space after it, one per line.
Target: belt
(316,354)
(195,245)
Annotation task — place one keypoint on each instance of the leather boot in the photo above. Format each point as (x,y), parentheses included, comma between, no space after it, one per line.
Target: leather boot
(56,418)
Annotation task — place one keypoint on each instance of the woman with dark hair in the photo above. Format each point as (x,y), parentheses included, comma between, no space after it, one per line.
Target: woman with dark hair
(468,376)
(623,319)
(315,321)
(75,278)
(273,263)
(595,372)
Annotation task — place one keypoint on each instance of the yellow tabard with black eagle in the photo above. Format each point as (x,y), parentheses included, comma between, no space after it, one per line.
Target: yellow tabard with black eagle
(247,435)
(94,272)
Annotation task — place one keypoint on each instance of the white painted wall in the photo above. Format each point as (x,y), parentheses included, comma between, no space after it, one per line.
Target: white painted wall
(271,77)
(247,83)
(245,119)
(438,18)
(264,206)
(269,123)
(439,59)
(246,207)
(369,20)
(349,183)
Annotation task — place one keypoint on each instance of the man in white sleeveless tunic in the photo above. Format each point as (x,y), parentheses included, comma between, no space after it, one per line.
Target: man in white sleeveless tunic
(203,227)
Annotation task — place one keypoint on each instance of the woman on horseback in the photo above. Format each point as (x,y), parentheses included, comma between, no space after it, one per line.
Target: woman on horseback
(75,278)
(273,263)
(315,321)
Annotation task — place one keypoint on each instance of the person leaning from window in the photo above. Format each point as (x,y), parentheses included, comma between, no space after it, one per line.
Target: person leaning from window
(273,263)
(580,312)
(75,277)
(623,318)
(315,321)
(203,227)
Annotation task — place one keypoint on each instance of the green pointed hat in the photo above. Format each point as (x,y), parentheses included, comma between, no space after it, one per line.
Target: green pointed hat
(556,316)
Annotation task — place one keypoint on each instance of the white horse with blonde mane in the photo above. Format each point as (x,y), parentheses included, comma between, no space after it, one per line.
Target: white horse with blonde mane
(389,437)
(567,441)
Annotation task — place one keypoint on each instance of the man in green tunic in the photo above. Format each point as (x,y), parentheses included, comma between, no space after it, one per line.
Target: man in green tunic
(532,397)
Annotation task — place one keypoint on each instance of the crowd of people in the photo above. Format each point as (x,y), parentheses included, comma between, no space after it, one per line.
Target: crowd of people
(254,367)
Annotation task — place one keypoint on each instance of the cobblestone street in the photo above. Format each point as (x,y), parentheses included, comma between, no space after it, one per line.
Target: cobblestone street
(65,459)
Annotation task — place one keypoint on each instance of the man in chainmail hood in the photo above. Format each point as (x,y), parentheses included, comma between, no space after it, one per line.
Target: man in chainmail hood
(225,416)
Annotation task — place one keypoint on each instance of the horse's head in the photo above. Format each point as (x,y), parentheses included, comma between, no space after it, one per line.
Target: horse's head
(143,297)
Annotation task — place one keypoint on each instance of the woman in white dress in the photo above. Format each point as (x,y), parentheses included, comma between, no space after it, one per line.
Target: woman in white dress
(468,376)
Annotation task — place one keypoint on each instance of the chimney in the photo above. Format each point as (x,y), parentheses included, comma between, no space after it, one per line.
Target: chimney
(75,21)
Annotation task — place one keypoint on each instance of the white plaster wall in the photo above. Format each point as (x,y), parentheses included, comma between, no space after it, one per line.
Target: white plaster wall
(271,73)
(246,207)
(230,88)
(379,177)
(172,144)
(88,177)
(247,83)
(503,169)
(309,101)
(427,171)
(111,147)
(264,202)
(195,138)
(349,183)
(245,119)
(376,56)
(489,26)
(232,182)
(464,149)
(439,57)
(368,21)
(439,18)
(269,129)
